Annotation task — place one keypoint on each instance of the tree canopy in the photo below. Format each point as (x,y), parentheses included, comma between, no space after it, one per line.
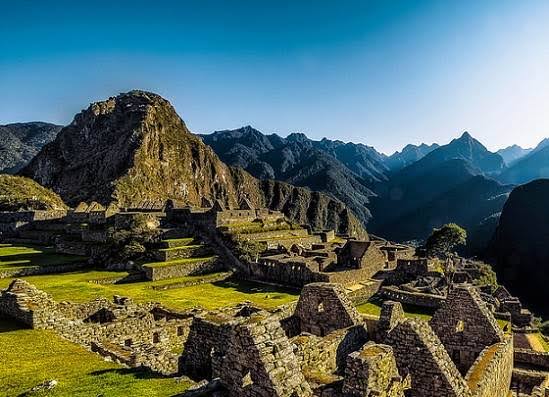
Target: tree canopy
(443,241)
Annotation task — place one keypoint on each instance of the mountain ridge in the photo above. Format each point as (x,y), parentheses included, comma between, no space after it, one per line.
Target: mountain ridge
(21,142)
(135,147)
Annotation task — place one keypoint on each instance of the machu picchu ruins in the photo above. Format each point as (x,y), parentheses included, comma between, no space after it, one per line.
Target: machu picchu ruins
(274,199)
(474,341)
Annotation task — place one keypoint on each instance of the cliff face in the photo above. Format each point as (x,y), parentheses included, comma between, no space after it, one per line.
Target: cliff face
(520,244)
(20,142)
(135,147)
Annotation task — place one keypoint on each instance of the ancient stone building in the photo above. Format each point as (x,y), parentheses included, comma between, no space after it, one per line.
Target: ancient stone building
(247,350)
(372,371)
(323,308)
(361,255)
(319,346)
(134,334)
(465,326)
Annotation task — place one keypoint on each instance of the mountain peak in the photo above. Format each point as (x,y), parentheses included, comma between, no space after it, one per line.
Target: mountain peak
(466,136)
(297,137)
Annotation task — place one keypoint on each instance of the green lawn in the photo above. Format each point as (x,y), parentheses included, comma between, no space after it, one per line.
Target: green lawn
(30,357)
(374,309)
(13,257)
(75,287)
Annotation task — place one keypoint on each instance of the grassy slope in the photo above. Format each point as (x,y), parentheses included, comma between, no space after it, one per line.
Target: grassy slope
(23,193)
(12,257)
(30,357)
(76,287)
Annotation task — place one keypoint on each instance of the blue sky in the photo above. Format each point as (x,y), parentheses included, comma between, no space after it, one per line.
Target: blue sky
(384,73)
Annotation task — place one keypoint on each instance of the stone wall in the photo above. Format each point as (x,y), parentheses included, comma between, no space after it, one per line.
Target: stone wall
(372,371)
(259,361)
(407,270)
(36,270)
(323,308)
(152,334)
(328,354)
(295,273)
(465,326)
(368,289)
(193,267)
(420,354)
(532,358)
(412,298)
(490,375)
(530,383)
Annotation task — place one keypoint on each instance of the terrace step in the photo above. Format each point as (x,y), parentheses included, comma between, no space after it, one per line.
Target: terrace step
(177,242)
(181,267)
(182,252)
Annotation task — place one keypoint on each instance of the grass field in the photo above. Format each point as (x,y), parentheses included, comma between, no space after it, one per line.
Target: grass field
(14,257)
(30,357)
(373,309)
(76,287)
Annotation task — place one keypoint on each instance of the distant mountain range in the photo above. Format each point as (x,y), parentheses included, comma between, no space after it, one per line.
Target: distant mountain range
(534,165)
(402,196)
(513,153)
(409,155)
(20,142)
(343,170)
(450,184)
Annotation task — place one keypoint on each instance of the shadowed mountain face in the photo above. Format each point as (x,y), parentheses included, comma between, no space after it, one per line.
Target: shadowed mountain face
(342,170)
(464,148)
(20,142)
(442,184)
(520,244)
(409,155)
(513,153)
(534,165)
(447,185)
(134,147)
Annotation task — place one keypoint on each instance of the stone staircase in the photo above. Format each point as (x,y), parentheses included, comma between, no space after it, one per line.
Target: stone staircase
(181,256)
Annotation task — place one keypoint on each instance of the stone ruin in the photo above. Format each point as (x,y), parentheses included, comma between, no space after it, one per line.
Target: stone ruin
(138,335)
(320,346)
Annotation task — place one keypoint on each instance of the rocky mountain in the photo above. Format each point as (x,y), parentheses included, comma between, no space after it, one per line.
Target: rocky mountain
(520,244)
(464,148)
(18,193)
(415,201)
(342,170)
(535,165)
(409,155)
(513,153)
(450,184)
(135,147)
(20,142)
(246,146)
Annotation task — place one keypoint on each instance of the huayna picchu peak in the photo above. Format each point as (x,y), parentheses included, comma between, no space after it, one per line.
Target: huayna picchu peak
(134,147)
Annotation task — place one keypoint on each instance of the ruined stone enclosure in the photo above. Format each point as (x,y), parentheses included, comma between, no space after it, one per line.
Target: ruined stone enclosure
(319,346)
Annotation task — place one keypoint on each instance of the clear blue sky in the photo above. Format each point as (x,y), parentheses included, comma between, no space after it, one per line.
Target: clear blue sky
(383,73)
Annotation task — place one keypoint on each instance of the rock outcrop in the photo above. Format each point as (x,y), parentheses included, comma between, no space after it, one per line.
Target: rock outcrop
(20,142)
(135,147)
(520,244)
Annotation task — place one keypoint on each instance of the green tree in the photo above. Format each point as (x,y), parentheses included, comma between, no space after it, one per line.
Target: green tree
(442,241)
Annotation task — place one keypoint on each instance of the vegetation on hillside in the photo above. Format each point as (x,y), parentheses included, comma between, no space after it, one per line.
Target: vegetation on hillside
(442,242)
(19,193)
